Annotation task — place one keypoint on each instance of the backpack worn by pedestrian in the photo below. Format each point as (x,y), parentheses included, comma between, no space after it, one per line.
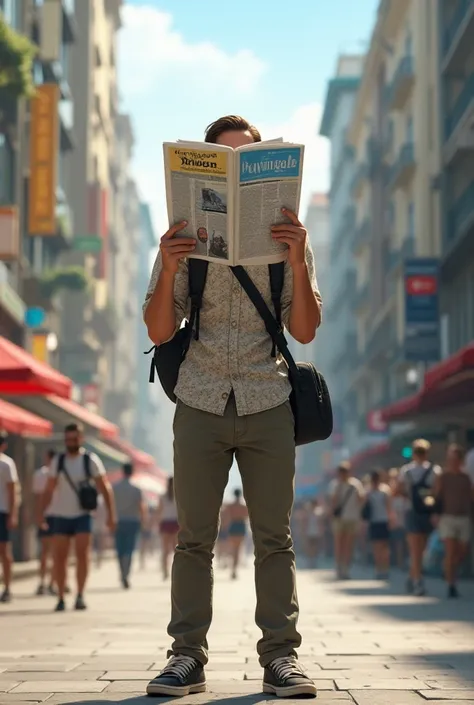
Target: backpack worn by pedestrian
(86,491)
(422,497)
(310,400)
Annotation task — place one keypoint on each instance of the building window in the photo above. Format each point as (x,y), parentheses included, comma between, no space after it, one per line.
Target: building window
(10,11)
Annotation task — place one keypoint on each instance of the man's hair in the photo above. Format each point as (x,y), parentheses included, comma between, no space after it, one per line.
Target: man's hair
(237,493)
(74,427)
(50,454)
(458,450)
(232,123)
(421,446)
(375,476)
(3,438)
(345,466)
(127,469)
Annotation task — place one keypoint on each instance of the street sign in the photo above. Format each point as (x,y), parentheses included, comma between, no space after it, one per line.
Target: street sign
(422,322)
(375,422)
(35,317)
(87,243)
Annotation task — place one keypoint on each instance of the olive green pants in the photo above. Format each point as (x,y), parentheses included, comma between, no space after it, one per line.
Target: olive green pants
(204,448)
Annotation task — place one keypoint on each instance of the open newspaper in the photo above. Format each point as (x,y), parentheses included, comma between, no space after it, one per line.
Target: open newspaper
(231,198)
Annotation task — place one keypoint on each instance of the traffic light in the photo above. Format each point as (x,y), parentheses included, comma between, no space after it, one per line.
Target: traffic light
(407,452)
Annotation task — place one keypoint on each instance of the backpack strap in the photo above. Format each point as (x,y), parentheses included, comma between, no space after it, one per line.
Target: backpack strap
(277,278)
(87,466)
(197,275)
(61,463)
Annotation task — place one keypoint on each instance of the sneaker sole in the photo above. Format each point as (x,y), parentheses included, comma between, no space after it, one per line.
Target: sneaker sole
(178,691)
(308,689)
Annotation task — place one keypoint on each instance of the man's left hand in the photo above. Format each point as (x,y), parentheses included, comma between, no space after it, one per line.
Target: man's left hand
(293,234)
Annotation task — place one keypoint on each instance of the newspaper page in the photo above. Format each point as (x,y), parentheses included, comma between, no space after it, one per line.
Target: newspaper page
(199,189)
(268,179)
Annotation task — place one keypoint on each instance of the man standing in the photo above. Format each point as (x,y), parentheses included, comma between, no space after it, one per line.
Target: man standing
(233,401)
(417,482)
(455,495)
(45,530)
(70,472)
(131,511)
(9,491)
(347,494)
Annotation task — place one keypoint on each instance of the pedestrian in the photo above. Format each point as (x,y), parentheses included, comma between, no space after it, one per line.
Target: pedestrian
(45,530)
(168,524)
(233,400)
(347,495)
(130,507)
(417,481)
(314,530)
(222,547)
(454,492)
(9,506)
(397,521)
(75,479)
(147,534)
(377,511)
(237,515)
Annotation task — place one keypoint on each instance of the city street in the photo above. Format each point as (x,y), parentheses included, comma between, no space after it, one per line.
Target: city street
(363,642)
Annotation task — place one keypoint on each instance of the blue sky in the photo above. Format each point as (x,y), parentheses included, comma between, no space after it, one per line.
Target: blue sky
(183,63)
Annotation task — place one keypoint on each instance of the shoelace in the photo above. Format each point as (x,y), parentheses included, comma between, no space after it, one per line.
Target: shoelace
(179,667)
(285,668)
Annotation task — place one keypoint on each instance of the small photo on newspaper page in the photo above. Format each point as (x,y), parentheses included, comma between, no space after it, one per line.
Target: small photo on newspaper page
(269,180)
(197,191)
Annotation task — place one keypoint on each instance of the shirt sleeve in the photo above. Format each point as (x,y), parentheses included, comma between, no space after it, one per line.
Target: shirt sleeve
(287,294)
(181,288)
(97,466)
(11,474)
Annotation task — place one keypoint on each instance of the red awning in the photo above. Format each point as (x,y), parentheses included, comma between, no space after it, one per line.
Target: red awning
(460,361)
(22,374)
(137,457)
(21,422)
(369,453)
(88,418)
(402,407)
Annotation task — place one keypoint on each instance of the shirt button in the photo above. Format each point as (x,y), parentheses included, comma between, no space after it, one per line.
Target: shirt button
(225,395)
(234,324)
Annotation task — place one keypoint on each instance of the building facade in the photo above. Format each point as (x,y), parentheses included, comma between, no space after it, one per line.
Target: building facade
(339,282)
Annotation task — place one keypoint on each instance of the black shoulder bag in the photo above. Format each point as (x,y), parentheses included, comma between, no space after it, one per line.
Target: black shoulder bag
(310,400)
(423,501)
(86,492)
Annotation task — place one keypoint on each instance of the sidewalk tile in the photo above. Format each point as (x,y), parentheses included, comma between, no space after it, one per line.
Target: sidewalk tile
(60,687)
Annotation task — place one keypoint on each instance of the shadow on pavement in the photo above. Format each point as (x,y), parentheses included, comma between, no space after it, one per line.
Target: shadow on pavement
(247,699)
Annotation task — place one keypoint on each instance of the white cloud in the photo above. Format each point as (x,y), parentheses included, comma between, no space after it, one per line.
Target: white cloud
(152,49)
(302,126)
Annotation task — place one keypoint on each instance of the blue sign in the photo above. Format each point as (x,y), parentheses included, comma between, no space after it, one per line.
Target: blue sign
(35,317)
(275,163)
(422,328)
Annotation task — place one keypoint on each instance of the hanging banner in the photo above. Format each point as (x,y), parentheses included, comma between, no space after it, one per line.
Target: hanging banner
(39,347)
(422,321)
(43,160)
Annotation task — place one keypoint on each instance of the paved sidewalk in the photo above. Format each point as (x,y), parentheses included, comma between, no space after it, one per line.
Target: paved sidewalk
(364,643)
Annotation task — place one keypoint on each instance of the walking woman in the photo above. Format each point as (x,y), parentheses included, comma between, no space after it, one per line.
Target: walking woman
(237,515)
(377,511)
(168,522)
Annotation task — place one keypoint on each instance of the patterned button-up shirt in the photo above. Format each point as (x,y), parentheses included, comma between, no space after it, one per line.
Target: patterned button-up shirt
(233,352)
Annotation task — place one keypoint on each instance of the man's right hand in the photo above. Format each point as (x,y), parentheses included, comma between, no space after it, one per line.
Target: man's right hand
(173,249)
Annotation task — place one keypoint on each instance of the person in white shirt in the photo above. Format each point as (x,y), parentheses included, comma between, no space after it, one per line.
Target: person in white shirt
(73,477)
(377,511)
(169,527)
(45,531)
(417,483)
(347,494)
(314,531)
(131,514)
(8,513)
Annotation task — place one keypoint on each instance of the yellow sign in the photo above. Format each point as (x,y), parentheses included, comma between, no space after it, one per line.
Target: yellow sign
(43,160)
(39,349)
(196,161)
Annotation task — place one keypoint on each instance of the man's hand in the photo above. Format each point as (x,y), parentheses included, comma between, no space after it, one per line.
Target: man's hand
(111,524)
(294,235)
(173,249)
(12,522)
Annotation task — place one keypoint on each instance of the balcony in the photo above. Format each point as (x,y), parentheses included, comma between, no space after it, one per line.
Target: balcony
(400,174)
(66,121)
(104,323)
(361,236)
(362,297)
(398,90)
(360,177)
(397,256)
(460,230)
(461,118)
(342,233)
(458,37)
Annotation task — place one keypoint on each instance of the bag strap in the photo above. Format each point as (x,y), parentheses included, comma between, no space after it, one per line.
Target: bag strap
(424,477)
(346,498)
(62,468)
(87,466)
(274,329)
(277,279)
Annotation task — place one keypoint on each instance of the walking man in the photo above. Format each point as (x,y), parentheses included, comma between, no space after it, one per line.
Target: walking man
(74,474)
(347,496)
(131,513)
(233,401)
(455,495)
(9,492)
(45,530)
(417,482)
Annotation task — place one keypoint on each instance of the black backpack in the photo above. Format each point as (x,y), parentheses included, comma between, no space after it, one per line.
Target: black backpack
(310,400)
(422,498)
(86,492)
